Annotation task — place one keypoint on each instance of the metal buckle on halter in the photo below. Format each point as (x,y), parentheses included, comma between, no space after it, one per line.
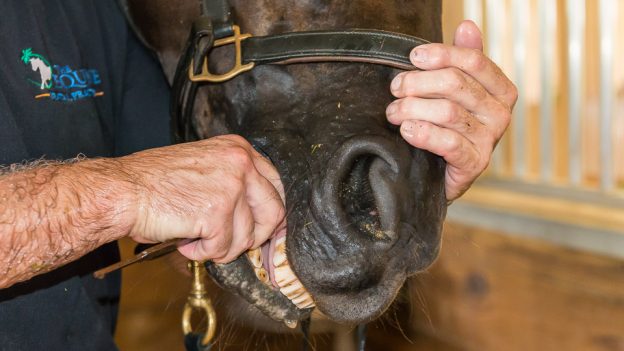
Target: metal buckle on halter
(239,67)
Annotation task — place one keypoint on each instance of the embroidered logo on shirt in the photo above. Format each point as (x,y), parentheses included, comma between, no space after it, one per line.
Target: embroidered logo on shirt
(62,83)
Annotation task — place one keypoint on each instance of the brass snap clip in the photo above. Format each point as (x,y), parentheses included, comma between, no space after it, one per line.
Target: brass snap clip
(207,76)
(198,299)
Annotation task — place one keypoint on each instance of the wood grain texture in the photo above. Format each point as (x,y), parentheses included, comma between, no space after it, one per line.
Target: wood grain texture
(493,292)
(588,214)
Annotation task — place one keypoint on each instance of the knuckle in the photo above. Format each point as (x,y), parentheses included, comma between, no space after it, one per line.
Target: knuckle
(454,81)
(503,117)
(453,143)
(240,157)
(506,117)
(476,61)
(513,94)
(403,106)
(221,245)
(438,54)
(450,112)
(409,83)
(235,138)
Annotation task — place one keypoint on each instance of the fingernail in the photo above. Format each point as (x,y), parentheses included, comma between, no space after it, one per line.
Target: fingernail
(392,108)
(396,82)
(419,55)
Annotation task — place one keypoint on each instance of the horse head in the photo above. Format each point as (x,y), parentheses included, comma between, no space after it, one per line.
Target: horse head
(365,209)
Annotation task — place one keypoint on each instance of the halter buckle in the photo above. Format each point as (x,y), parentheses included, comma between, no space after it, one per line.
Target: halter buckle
(206,76)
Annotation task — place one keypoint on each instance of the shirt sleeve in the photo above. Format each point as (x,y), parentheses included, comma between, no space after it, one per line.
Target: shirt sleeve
(144,121)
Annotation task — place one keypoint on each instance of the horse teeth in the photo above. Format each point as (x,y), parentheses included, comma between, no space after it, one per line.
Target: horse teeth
(255,257)
(308,303)
(286,279)
(293,290)
(279,258)
(290,288)
(262,275)
(280,245)
(284,275)
(301,299)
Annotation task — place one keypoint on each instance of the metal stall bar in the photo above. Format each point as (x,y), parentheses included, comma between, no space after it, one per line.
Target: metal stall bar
(548,27)
(607,21)
(520,19)
(494,10)
(576,46)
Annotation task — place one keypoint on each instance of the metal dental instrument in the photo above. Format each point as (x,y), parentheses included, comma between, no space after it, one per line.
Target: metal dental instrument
(150,253)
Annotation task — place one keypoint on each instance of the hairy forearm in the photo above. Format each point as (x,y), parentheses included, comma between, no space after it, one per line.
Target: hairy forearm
(53,214)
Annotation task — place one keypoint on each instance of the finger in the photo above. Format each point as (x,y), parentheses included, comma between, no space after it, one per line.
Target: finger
(213,246)
(268,171)
(471,61)
(261,163)
(214,231)
(263,198)
(454,85)
(468,35)
(456,149)
(242,232)
(266,206)
(441,112)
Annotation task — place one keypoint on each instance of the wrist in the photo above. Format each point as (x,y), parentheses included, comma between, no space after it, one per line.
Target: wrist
(106,196)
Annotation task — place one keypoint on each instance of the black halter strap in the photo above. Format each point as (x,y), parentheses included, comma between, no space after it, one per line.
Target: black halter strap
(220,14)
(215,27)
(215,22)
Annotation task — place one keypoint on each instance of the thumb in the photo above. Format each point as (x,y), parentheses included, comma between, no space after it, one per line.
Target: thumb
(468,35)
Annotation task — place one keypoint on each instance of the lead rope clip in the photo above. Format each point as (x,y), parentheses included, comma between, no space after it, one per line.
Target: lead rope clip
(198,300)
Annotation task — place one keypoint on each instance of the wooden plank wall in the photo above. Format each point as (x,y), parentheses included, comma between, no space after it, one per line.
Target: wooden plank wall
(489,291)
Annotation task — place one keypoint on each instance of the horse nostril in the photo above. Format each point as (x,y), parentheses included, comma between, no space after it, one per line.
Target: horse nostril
(364,184)
(365,198)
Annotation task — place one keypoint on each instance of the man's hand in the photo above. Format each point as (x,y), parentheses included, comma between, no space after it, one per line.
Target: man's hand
(219,190)
(457,107)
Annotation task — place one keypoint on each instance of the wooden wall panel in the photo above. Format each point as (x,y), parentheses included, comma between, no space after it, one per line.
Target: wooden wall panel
(495,292)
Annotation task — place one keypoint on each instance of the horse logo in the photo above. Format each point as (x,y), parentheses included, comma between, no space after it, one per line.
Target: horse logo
(38,63)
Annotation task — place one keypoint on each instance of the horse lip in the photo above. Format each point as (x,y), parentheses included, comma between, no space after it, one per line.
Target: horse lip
(339,305)
(239,277)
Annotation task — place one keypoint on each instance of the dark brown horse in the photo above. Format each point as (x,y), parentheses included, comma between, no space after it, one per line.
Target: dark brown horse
(365,209)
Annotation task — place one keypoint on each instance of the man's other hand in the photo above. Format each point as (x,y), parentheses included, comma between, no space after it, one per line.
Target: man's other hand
(458,106)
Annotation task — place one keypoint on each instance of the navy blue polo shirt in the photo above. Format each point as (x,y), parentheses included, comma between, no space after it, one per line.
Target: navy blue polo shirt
(73,80)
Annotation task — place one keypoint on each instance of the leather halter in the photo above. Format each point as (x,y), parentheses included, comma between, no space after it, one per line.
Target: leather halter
(215,27)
